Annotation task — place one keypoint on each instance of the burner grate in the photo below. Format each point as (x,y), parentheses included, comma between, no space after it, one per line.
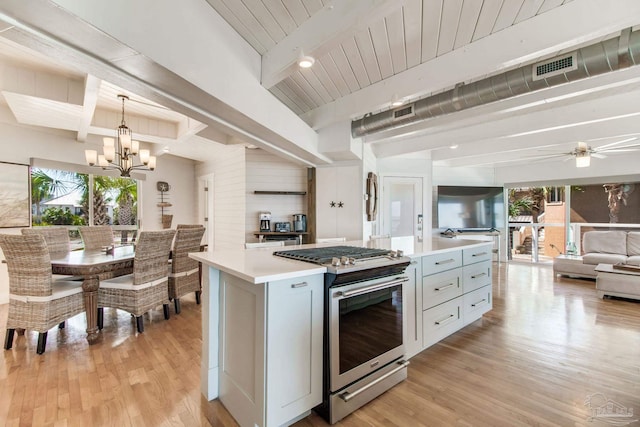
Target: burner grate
(324,255)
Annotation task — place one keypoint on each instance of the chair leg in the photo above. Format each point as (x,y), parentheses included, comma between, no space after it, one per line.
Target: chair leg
(100,318)
(8,339)
(165,309)
(42,342)
(140,323)
(198,294)
(61,325)
(176,302)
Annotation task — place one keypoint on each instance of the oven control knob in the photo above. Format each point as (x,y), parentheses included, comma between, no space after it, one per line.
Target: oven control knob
(392,254)
(344,260)
(352,261)
(400,253)
(335,262)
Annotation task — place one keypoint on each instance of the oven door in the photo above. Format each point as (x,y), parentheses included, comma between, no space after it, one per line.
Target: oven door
(365,328)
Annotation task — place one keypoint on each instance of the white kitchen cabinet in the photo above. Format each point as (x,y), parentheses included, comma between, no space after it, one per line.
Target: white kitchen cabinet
(456,290)
(270,349)
(412,291)
(339,202)
(294,352)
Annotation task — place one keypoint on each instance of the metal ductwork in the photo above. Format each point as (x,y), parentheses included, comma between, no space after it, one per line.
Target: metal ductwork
(603,57)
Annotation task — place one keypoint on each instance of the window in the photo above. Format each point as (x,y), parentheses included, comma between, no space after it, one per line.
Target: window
(62,197)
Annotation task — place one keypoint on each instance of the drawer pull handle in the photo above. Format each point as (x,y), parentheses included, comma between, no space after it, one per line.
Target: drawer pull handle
(480,254)
(446,320)
(446,261)
(299,285)
(347,396)
(481,302)
(442,288)
(478,275)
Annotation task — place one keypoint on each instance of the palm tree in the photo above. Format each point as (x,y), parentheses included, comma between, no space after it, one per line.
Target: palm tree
(47,184)
(127,198)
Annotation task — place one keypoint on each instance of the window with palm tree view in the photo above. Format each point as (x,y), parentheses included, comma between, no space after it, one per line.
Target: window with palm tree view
(61,197)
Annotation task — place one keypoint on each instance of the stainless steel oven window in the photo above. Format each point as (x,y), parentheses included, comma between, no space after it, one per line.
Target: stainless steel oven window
(366,329)
(370,325)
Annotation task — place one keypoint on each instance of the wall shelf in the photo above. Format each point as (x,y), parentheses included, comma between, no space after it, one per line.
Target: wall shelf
(294,193)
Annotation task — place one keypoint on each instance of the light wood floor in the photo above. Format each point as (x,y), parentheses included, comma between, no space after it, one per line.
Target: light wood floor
(533,361)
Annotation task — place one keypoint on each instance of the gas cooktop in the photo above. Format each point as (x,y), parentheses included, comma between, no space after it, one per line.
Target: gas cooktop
(342,259)
(325,255)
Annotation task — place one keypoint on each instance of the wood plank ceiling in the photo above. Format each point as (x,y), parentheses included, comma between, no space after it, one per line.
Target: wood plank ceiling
(416,32)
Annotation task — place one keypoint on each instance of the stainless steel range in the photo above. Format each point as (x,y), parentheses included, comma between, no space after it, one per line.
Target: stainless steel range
(363,339)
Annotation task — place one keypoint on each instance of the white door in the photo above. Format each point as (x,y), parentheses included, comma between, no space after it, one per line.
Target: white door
(402,206)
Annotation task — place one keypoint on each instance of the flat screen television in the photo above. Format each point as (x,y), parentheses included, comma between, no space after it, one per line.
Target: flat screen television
(470,208)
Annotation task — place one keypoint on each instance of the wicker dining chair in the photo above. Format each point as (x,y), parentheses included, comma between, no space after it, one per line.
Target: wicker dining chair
(58,243)
(185,272)
(96,236)
(180,226)
(36,301)
(146,288)
(57,238)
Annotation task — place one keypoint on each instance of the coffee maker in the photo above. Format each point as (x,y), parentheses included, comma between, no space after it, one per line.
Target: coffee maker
(265,221)
(299,223)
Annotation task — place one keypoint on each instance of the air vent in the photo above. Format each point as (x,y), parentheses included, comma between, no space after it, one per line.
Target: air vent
(404,112)
(559,65)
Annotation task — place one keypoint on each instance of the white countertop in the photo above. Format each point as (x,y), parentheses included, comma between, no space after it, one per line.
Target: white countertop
(259,265)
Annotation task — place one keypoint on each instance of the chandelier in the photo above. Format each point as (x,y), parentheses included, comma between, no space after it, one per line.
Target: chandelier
(119,153)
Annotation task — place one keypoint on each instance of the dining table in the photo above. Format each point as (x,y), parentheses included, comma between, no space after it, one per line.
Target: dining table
(92,265)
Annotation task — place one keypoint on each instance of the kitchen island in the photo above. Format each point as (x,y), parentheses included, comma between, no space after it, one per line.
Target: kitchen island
(263,324)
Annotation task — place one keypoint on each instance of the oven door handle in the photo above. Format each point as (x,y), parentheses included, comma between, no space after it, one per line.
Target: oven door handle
(347,396)
(371,288)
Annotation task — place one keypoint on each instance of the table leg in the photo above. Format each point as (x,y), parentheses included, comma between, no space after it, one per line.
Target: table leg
(90,290)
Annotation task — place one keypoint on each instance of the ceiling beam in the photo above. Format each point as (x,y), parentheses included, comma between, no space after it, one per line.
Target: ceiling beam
(322,33)
(91,88)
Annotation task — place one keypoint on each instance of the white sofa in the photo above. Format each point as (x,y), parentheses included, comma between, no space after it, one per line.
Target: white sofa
(600,247)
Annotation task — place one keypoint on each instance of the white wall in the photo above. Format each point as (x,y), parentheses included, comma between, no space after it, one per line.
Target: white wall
(227,164)
(266,172)
(20,143)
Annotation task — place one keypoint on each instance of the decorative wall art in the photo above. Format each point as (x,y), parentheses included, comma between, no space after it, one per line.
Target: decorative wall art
(15,210)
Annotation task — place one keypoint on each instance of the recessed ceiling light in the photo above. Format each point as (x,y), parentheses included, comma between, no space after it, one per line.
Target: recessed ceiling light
(305,61)
(454,146)
(166,149)
(395,101)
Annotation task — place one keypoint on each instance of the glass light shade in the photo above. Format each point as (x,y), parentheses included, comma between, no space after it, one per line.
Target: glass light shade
(102,162)
(109,152)
(91,156)
(135,146)
(125,137)
(152,162)
(144,156)
(583,161)
(108,142)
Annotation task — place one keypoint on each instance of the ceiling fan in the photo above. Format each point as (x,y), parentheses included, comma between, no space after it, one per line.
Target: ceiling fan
(583,152)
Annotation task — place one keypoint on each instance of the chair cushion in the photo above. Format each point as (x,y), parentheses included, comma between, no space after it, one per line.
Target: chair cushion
(633,243)
(605,242)
(126,282)
(597,258)
(59,289)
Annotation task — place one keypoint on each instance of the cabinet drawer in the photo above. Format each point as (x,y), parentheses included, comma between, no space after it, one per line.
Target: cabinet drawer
(473,255)
(476,276)
(441,287)
(441,321)
(436,263)
(477,303)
